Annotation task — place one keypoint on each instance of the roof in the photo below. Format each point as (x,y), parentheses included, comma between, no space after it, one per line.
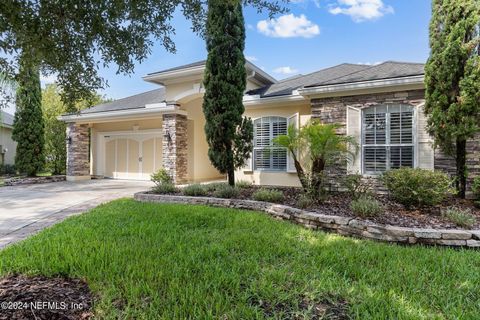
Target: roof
(6,118)
(133,102)
(343,73)
(199,65)
(185,66)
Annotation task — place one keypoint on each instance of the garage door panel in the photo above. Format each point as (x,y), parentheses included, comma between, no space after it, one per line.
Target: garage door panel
(148,157)
(133,157)
(110,158)
(121,171)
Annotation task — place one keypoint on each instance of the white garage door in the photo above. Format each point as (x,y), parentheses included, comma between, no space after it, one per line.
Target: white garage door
(133,157)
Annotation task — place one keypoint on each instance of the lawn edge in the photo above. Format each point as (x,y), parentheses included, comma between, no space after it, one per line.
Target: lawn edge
(345,226)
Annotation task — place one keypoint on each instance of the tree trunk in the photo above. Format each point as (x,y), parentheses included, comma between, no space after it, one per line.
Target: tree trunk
(461,160)
(231,177)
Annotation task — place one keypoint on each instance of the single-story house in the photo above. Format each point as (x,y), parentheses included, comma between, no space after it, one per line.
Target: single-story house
(380,105)
(7,145)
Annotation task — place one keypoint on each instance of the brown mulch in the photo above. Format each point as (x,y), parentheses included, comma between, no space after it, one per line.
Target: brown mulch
(44,298)
(395,214)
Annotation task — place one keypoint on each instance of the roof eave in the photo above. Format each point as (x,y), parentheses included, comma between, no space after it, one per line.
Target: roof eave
(147,110)
(326,90)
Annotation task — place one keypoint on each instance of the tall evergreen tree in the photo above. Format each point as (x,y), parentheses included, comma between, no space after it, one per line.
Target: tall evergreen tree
(452,77)
(229,135)
(28,127)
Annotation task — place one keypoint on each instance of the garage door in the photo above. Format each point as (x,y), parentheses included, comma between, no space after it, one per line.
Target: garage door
(133,157)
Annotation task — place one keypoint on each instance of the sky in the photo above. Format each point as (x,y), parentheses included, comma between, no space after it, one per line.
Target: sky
(314,34)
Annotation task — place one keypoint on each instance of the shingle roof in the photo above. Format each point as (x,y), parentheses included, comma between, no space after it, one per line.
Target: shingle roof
(343,73)
(6,118)
(285,87)
(133,102)
(386,70)
(185,66)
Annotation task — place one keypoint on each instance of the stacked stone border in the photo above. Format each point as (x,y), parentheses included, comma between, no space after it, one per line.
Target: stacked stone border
(345,226)
(33,180)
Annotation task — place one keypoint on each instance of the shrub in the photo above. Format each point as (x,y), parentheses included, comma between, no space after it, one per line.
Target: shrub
(225,191)
(195,190)
(476,187)
(305,201)
(268,195)
(164,188)
(243,184)
(366,207)
(161,177)
(356,186)
(461,217)
(214,186)
(417,187)
(7,169)
(163,182)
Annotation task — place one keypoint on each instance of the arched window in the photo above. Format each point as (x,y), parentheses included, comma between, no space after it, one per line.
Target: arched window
(387,138)
(265,155)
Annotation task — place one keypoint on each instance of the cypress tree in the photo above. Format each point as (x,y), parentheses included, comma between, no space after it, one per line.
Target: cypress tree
(229,135)
(452,77)
(28,127)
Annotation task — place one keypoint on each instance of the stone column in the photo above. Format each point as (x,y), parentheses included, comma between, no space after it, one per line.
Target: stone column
(174,149)
(78,164)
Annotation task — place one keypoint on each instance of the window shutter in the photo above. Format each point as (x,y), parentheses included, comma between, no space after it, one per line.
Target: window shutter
(354,129)
(425,154)
(248,164)
(292,120)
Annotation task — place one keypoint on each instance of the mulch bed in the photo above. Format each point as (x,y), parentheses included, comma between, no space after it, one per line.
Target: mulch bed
(44,298)
(395,214)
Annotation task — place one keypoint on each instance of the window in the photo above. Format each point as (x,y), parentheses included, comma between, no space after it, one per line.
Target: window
(387,138)
(265,155)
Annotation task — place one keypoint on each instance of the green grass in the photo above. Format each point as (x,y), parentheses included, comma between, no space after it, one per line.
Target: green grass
(151,261)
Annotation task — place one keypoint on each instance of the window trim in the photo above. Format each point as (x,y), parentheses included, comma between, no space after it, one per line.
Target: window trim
(254,167)
(414,143)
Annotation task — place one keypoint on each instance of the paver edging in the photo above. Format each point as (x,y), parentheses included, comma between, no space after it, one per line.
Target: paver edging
(346,226)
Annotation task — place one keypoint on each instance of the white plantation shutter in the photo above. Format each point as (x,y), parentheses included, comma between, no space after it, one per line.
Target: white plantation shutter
(266,156)
(248,164)
(354,125)
(425,152)
(292,120)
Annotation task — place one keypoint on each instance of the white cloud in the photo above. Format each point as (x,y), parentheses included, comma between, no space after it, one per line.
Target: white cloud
(288,26)
(316,2)
(251,58)
(361,10)
(285,70)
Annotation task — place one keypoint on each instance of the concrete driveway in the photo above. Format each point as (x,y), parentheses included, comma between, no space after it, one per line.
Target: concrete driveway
(25,210)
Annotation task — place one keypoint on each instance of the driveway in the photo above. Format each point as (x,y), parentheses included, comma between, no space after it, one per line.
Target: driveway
(25,210)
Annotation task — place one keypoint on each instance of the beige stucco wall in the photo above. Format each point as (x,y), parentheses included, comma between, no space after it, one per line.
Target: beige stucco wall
(275,178)
(200,168)
(7,142)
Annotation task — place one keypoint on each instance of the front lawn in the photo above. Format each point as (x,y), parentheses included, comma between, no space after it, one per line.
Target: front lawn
(158,261)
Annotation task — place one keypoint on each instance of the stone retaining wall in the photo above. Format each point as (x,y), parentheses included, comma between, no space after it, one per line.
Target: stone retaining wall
(33,180)
(342,225)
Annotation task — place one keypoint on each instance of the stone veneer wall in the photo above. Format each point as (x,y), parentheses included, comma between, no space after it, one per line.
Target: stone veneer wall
(334,110)
(175,152)
(78,162)
(447,163)
(346,226)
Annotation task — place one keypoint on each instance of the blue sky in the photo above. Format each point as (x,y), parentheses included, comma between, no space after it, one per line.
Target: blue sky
(315,34)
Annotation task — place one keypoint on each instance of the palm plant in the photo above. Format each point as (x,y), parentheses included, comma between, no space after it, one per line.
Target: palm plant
(313,148)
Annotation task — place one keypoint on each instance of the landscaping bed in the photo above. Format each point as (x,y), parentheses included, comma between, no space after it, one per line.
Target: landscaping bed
(172,261)
(338,204)
(44,298)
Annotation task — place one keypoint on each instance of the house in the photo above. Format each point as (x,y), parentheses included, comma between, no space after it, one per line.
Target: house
(380,105)
(7,145)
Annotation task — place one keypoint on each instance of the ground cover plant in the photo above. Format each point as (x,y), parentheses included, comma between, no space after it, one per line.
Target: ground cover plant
(159,261)
(358,201)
